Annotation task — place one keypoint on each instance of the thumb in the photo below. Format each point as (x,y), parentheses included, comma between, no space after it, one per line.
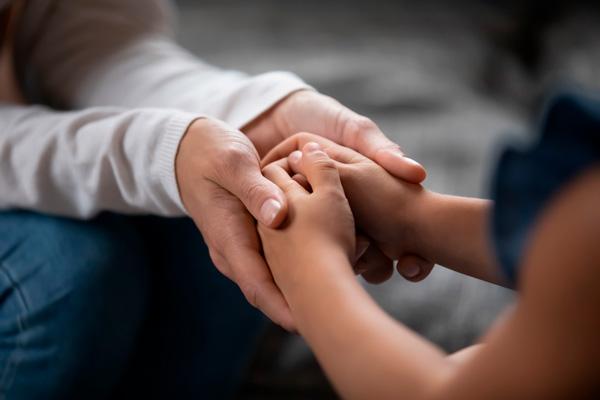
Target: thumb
(319,169)
(369,140)
(261,197)
(364,136)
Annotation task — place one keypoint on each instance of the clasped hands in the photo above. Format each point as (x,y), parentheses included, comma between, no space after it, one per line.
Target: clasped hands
(218,171)
(334,193)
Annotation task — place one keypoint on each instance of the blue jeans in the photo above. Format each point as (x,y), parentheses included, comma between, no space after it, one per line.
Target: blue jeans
(116,307)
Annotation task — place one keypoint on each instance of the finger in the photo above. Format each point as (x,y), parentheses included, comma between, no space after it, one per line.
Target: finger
(400,166)
(319,169)
(294,161)
(326,117)
(299,140)
(362,245)
(278,175)
(295,164)
(235,246)
(363,135)
(256,283)
(301,179)
(240,174)
(376,266)
(414,268)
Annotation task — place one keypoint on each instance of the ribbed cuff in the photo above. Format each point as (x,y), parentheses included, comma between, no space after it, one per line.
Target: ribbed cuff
(261,93)
(167,151)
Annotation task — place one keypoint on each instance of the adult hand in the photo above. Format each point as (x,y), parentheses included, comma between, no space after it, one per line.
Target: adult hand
(310,111)
(385,211)
(223,189)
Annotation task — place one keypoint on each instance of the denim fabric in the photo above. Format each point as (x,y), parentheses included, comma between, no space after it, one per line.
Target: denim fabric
(527,178)
(116,307)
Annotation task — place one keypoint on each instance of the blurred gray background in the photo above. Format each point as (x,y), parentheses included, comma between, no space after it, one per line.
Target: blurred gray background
(448,81)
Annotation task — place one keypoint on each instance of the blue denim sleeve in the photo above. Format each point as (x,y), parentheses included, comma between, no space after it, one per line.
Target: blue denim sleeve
(527,178)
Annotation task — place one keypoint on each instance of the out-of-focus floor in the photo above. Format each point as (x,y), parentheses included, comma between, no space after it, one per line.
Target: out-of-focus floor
(449,81)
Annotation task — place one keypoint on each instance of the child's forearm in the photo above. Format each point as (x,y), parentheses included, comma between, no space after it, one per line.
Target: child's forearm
(454,232)
(368,355)
(365,353)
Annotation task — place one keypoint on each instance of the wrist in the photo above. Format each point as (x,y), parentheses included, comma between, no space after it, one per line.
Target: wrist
(168,158)
(417,220)
(314,270)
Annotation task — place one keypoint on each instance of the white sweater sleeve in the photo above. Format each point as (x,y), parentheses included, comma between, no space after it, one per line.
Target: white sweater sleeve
(82,162)
(121,53)
(91,54)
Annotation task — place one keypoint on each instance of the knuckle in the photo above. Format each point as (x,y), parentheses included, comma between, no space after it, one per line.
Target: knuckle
(234,162)
(255,290)
(299,136)
(253,192)
(215,255)
(288,326)
(352,126)
(356,126)
(269,170)
(305,137)
(237,155)
(250,292)
(322,161)
(219,261)
(362,123)
(389,147)
(333,194)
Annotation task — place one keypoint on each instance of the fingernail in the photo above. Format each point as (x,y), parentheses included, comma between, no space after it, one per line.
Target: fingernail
(269,211)
(400,155)
(311,146)
(411,271)
(411,161)
(295,156)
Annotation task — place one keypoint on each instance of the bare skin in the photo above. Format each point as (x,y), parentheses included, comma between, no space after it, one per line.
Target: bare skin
(545,347)
(219,177)
(367,184)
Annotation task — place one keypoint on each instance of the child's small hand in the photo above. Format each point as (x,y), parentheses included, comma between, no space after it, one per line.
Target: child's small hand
(384,207)
(319,226)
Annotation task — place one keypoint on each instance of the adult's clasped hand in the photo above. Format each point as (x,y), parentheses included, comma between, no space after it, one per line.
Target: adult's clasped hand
(218,171)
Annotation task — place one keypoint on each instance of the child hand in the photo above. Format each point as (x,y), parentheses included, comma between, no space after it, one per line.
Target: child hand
(384,207)
(319,225)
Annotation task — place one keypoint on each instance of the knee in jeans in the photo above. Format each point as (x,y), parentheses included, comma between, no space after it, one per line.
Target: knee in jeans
(86,260)
(76,294)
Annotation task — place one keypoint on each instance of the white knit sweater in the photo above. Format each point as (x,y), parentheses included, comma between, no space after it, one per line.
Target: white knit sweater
(111,95)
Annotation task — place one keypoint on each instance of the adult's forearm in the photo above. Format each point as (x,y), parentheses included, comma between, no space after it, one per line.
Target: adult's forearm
(156,72)
(122,53)
(81,163)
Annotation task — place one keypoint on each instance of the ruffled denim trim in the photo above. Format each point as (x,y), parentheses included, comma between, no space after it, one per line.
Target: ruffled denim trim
(527,178)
